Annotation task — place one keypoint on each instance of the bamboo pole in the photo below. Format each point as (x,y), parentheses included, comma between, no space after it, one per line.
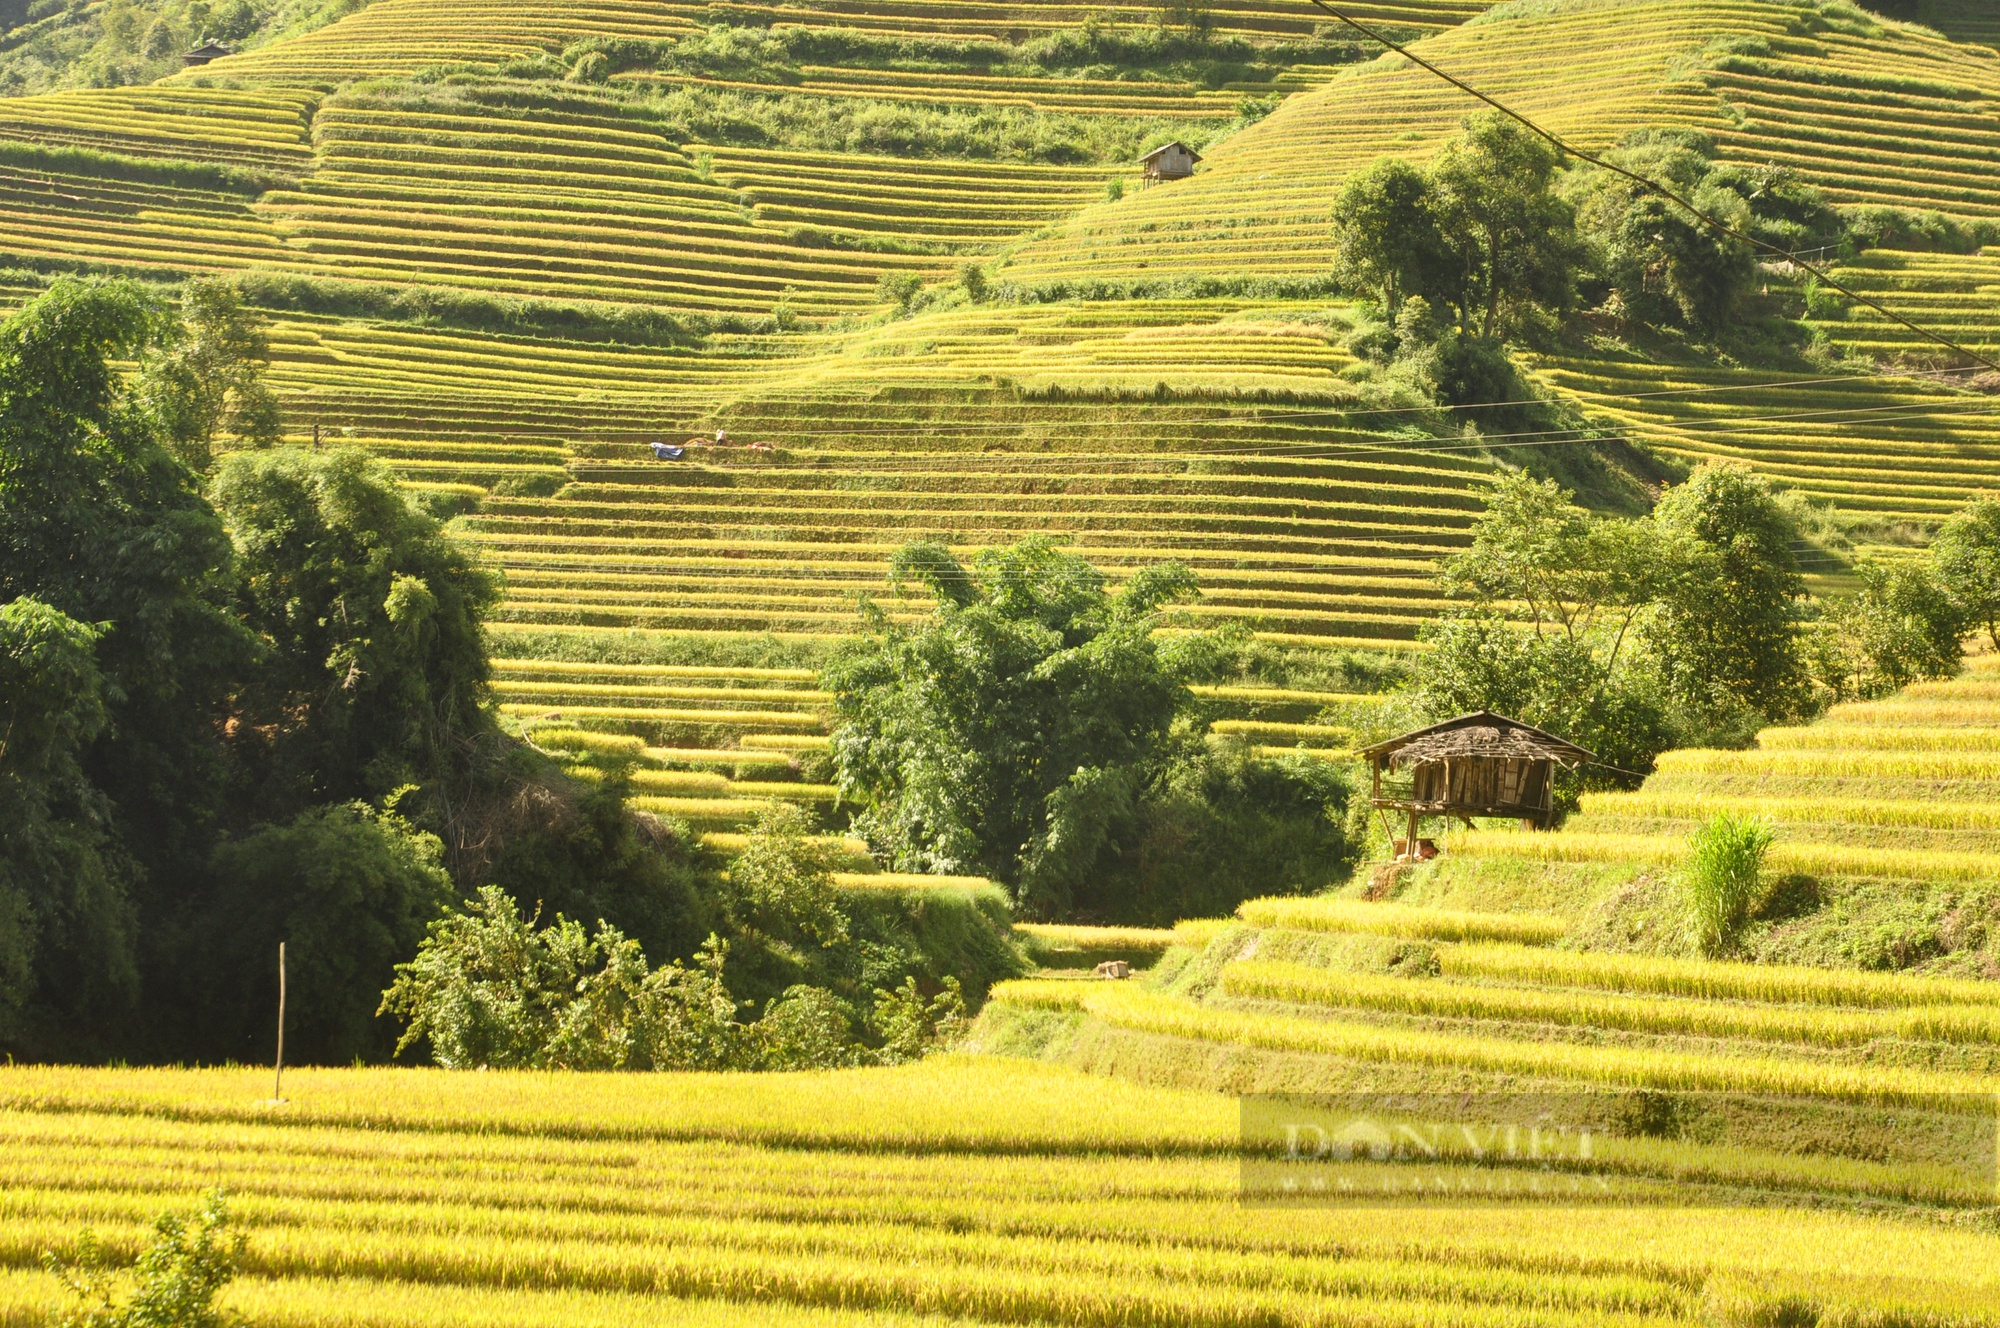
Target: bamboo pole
(278,1090)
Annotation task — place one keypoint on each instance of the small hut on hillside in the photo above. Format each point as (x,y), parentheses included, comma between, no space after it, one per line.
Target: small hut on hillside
(205,52)
(1169,161)
(1480,764)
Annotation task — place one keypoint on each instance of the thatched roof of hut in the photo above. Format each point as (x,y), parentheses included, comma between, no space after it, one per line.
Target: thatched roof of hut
(1481,733)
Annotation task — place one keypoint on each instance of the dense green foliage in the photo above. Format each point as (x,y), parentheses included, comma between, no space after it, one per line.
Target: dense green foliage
(1967,552)
(206,376)
(65,918)
(376,672)
(1028,730)
(1479,231)
(350,892)
(99,523)
(188,717)
(1641,632)
(490,989)
(1726,629)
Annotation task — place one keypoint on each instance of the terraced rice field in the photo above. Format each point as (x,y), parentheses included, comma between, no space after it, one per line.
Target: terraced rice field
(1897,116)
(1898,789)
(1341,996)
(1957,295)
(1911,448)
(403,37)
(265,128)
(965,1190)
(1218,430)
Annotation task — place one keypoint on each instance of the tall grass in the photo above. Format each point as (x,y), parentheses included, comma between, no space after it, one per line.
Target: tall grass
(1719,881)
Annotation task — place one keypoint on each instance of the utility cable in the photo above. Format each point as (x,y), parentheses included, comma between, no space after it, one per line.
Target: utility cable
(1654,187)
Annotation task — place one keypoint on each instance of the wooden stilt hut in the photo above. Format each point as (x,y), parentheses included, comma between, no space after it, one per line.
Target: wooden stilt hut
(1480,764)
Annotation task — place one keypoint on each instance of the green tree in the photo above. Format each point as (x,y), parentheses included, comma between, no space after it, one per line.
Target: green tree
(1726,632)
(1555,595)
(99,522)
(1967,556)
(205,375)
(1006,733)
(1035,731)
(1665,266)
(1558,567)
(1480,661)
(66,916)
(351,892)
(972,277)
(377,672)
(1386,237)
(1901,627)
(1512,240)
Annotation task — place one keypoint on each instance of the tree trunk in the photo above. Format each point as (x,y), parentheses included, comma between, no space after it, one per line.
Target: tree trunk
(1492,284)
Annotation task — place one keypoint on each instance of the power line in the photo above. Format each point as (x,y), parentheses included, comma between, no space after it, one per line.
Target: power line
(1654,187)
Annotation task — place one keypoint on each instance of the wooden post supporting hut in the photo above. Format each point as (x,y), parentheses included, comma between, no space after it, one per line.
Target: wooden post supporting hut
(1480,764)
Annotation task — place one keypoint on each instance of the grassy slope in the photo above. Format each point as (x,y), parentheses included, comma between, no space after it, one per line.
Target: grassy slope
(1886,846)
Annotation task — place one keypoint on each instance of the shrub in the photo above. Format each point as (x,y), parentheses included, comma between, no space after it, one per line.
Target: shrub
(350,893)
(785,879)
(899,289)
(175,1280)
(808,1028)
(488,988)
(911,1026)
(973,278)
(1719,880)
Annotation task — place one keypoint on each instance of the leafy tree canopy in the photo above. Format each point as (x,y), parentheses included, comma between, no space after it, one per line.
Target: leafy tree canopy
(1726,630)
(205,376)
(1625,634)
(102,525)
(350,891)
(1480,231)
(1030,730)
(377,667)
(1967,552)
(997,737)
(65,920)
